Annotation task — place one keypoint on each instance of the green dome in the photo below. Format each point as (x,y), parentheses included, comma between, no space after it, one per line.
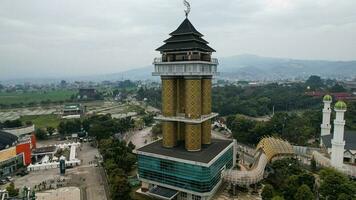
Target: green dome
(327,98)
(340,105)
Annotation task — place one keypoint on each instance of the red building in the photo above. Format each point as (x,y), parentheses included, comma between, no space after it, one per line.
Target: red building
(24,148)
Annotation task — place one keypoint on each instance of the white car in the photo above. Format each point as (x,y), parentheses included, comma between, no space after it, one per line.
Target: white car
(9,178)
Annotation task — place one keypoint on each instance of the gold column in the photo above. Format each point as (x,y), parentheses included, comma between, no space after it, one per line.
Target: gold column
(169,131)
(206,132)
(193,98)
(169,107)
(206,109)
(193,111)
(169,97)
(193,137)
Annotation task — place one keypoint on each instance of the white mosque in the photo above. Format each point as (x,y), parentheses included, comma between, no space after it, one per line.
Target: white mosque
(341,145)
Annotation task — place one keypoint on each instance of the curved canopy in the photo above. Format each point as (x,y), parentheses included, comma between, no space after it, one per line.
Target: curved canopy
(272,147)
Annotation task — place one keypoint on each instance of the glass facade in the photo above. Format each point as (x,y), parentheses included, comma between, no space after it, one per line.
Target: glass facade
(9,166)
(187,176)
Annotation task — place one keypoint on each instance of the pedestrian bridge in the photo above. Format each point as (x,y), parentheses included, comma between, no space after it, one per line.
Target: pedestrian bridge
(268,149)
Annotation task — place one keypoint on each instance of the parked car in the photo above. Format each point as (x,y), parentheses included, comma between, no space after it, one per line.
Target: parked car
(3,182)
(23,173)
(9,178)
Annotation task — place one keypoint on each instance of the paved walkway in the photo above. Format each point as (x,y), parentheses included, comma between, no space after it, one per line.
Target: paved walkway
(66,193)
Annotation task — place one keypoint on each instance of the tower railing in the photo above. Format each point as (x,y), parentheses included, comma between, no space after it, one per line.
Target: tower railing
(211,60)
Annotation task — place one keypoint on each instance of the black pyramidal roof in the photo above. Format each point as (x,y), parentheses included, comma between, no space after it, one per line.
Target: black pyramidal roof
(184,38)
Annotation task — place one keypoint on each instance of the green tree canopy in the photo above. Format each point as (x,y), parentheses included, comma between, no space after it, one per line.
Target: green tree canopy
(304,193)
(267,192)
(333,184)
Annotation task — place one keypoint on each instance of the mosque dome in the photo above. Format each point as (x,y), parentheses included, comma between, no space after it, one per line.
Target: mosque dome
(327,98)
(340,105)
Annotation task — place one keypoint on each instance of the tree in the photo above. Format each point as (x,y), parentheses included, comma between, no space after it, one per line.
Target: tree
(13,192)
(314,82)
(12,123)
(277,198)
(120,188)
(40,134)
(267,192)
(333,184)
(131,145)
(62,128)
(148,119)
(304,193)
(337,88)
(50,130)
(343,196)
(313,164)
(157,130)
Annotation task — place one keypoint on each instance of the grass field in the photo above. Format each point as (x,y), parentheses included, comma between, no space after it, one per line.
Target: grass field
(8,98)
(42,121)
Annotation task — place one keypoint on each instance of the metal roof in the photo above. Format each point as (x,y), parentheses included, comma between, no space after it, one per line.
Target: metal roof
(207,153)
(184,38)
(189,45)
(349,137)
(186,27)
(7,139)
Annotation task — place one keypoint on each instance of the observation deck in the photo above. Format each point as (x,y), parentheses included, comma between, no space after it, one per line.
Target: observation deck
(185,67)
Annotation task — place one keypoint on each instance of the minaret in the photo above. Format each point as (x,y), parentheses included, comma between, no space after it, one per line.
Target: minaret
(326,126)
(338,143)
(186,69)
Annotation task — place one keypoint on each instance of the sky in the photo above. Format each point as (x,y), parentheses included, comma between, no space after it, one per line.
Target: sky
(40,38)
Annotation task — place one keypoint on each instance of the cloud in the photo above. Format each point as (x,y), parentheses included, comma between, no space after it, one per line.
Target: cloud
(65,37)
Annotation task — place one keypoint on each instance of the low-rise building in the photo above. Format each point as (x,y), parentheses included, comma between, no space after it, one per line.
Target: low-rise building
(14,152)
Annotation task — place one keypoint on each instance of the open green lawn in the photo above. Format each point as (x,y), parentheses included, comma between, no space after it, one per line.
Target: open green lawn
(8,98)
(42,121)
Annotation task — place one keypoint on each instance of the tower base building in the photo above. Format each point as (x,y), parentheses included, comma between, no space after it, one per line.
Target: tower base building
(174,173)
(186,163)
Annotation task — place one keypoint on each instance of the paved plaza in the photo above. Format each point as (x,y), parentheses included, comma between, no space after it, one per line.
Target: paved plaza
(87,178)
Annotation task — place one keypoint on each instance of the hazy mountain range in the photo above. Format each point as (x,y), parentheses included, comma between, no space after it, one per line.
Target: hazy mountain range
(244,67)
(252,67)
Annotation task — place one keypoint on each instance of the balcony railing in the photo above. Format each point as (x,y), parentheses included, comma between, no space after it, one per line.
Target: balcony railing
(211,60)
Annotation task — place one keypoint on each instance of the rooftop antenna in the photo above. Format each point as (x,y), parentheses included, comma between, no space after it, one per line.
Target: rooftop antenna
(187,11)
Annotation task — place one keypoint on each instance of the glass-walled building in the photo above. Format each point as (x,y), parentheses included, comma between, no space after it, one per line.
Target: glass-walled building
(187,174)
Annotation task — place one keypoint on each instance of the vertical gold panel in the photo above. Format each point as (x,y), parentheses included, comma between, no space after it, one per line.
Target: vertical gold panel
(206,132)
(206,96)
(169,97)
(169,132)
(193,137)
(193,98)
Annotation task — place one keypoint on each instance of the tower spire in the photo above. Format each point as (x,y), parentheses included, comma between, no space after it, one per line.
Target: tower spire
(187,11)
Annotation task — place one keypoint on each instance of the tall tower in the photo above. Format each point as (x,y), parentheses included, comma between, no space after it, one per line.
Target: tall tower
(187,163)
(338,143)
(326,126)
(186,69)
